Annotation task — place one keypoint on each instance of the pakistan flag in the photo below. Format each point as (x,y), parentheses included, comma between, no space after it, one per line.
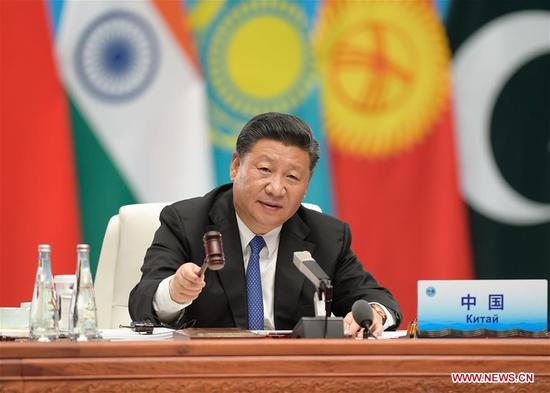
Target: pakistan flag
(501,70)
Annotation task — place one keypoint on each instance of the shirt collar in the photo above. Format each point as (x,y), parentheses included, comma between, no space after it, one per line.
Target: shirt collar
(271,238)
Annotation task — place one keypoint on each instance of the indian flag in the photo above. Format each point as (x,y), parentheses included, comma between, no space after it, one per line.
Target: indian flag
(137,103)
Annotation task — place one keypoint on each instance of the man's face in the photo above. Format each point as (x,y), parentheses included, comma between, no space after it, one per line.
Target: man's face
(269,183)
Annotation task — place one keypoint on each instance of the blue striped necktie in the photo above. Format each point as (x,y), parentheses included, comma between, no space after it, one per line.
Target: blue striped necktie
(254,285)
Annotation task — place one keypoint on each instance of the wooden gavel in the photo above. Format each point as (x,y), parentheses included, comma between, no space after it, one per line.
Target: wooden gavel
(213,251)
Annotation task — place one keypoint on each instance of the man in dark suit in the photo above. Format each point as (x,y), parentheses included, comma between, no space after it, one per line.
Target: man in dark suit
(262,223)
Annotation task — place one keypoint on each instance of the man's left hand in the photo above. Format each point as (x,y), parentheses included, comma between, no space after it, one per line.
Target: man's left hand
(352,328)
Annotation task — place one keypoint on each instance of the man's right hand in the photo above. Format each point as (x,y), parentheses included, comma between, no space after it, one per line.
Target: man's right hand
(187,284)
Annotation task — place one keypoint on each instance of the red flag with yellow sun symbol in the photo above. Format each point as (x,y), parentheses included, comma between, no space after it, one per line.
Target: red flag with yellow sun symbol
(386,89)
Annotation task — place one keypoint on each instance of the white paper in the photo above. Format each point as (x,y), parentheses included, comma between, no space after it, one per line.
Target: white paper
(127,334)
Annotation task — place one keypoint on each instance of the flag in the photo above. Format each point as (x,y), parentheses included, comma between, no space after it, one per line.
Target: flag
(138,107)
(387,103)
(38,199)
(258,57)
(501,63)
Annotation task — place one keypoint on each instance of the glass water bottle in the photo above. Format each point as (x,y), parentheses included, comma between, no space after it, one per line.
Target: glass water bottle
(83,316)
(44,316)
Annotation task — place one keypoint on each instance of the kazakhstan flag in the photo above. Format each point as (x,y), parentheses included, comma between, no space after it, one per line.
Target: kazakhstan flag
(257,56)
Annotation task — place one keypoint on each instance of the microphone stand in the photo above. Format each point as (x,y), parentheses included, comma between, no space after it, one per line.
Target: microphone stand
(367,333)
(325,287)
(317,326)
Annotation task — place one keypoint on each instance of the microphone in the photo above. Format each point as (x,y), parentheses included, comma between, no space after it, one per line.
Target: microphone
(318,326)
(305,263)
(362,314)
(213,250)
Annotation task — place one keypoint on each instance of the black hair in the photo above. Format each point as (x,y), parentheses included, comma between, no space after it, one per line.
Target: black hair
(287,129)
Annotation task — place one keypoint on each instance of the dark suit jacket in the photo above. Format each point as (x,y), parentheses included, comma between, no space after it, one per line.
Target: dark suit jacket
(223,303)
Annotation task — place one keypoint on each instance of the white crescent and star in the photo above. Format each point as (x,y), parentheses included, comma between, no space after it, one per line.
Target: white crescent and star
(481,68)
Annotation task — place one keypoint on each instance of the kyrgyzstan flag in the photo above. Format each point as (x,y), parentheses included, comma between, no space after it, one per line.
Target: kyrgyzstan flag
(37,182)
(387,97)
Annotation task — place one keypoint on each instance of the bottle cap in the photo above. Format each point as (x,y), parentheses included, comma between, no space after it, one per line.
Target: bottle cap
(82,247)
(44,247)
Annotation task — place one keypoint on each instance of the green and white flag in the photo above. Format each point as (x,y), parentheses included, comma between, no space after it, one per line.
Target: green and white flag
(501,68)
(137,105)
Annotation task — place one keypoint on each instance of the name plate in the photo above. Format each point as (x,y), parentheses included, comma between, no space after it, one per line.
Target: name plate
(482,308)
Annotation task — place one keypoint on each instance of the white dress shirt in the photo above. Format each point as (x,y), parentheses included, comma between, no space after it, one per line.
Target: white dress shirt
(168,310)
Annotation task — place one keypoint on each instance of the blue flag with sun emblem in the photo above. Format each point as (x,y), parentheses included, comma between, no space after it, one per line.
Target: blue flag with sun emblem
(257,57)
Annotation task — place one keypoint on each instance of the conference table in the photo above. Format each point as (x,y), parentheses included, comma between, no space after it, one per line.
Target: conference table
(271,365)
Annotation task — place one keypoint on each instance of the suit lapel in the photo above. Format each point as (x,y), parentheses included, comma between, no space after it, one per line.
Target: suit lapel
(288,279)
(232,275)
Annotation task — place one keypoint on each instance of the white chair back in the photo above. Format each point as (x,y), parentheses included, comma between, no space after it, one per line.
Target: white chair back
(128,235)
